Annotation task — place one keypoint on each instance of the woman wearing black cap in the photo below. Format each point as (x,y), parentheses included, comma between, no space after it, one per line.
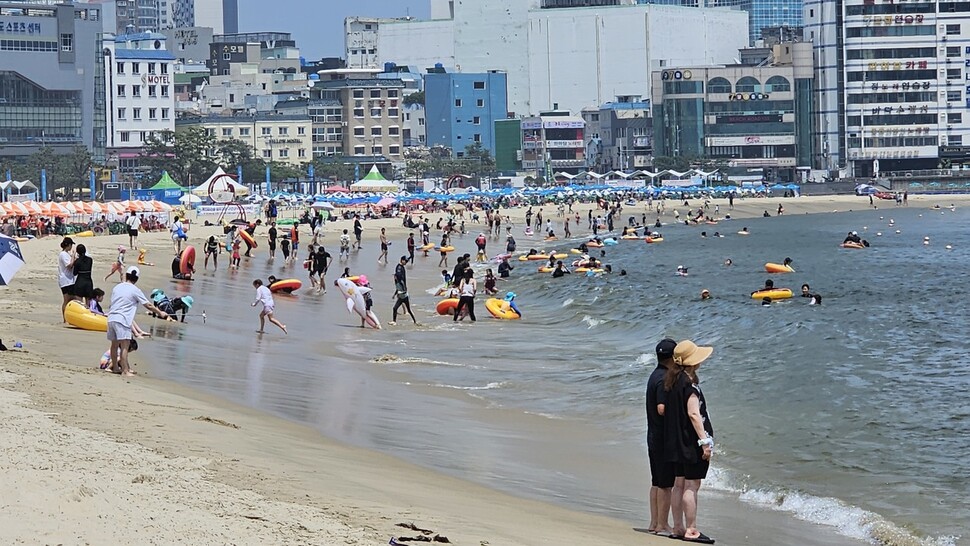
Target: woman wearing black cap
(65,272)
(125,299)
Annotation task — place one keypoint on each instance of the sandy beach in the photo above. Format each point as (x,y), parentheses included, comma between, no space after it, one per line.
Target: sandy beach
(93,458)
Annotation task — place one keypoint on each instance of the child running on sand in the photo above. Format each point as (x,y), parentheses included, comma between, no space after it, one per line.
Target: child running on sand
(264,296)
(344,246)
(119,265)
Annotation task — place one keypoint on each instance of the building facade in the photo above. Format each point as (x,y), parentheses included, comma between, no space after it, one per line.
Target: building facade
(755,119)
(553,142)
(892,84)
(462,108)
(762,14)
(415,125)
(571,57)
(51,79)
(283,139)
(371,113)
(140,89)
(619,135)
(508,145)
(190,45)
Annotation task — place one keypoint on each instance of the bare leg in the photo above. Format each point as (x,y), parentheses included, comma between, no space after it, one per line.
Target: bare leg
(262,322)
(67,300)
(123,360)
(677,506)
(276,322)
(114,357)
(690,507)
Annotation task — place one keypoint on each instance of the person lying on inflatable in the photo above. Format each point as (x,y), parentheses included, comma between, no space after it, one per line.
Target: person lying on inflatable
(510,300)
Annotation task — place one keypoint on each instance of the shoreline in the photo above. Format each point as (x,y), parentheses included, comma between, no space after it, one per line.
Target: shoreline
(165,413)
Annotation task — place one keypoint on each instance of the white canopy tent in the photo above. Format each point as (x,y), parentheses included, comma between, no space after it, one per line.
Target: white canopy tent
(223,183)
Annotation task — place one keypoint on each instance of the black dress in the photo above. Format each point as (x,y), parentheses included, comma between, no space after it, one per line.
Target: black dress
(83,285)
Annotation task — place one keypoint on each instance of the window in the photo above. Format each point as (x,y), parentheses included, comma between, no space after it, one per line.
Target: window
(476,120)
(152,90)
(227,132)
(358,93)
(266,131)
(375,93)
(125,136)
(393,131)
(164,90)
(953,51)
(244,131)
(226,56)
(210,132)
(151,68)
(368,27)
(120,67)
(775,84)
(153,113)
(479,85)
(67,42)
(477,137)
(284,152)
(301,152)
(372,51)
(283,131)
(457,103)
(121,90)
(136,113)
(164,68)
(393,112)
(718,85)
(394,150)
(748,84)
(232,97)
(480,103)
(122,113)
(353,51)
(358,131)
(164,113)
(954,118)
(358,150)
(954,140)
(376,150)
(301,130)
(267,154)
(954,96)
(392,93)
(135,90)
(420,122)
(954,74)
(375,112)
(135,68)
(376,131)
(358,112)
(950,30)
(144,136)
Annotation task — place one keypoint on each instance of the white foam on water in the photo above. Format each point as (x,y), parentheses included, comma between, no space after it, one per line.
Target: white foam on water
(568,302)
(394,359)
(847,520)
(592,322)
(646,358)
(490,386)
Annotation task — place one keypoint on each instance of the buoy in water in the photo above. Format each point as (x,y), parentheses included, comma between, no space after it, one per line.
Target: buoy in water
(878,234)
(949,247)
(898,232)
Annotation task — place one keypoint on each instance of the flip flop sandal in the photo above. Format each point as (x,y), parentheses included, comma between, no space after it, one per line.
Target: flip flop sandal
(700,539)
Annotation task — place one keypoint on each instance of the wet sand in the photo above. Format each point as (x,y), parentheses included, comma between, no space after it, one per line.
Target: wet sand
(269,480)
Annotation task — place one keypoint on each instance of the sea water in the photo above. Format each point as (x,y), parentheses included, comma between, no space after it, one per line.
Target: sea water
(850,415)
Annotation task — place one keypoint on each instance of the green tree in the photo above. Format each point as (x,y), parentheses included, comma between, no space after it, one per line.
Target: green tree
(75,167)
(414,98)
(187,154)
(333,168)
(234,152)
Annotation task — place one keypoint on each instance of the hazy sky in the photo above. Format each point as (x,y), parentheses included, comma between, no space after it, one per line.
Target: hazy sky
(318,25)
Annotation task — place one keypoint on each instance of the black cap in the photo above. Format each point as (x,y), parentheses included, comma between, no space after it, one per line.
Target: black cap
(665,349)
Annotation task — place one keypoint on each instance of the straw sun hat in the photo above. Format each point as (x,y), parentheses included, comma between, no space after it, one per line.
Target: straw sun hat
(688,354)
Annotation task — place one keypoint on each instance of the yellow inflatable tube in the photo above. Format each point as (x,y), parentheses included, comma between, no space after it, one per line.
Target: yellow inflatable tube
(776,294)
(586,270)
(778,268)
(500,309)
(80,317)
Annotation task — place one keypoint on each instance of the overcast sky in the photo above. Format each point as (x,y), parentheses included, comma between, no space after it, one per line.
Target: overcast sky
(318,25)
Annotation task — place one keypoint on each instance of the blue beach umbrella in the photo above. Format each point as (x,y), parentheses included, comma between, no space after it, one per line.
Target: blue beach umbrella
(11,260)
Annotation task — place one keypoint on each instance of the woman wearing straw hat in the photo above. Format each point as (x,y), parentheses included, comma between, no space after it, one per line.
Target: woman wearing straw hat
(688,437)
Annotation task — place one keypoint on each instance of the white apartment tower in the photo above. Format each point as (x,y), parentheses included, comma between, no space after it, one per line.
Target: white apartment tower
(893,83)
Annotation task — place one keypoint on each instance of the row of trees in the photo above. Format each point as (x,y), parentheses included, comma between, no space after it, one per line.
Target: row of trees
(70,171)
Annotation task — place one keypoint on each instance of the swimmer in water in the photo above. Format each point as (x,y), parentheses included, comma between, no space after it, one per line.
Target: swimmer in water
(728,262)
(560,271)
(788,262)
(744,231)
(704,234)
(806,291)
(769,285)
(816,300)
(705,294)
(681,271)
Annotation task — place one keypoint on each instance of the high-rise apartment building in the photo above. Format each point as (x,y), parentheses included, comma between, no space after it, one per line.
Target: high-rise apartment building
(892,84)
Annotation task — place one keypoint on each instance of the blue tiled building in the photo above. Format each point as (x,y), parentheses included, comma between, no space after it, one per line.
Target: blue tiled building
(461,109)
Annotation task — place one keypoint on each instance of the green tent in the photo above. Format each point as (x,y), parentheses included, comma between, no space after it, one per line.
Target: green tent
(375,174)
(166,183)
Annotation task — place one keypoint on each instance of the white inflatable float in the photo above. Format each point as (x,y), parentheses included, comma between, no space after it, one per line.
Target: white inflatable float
(355,302)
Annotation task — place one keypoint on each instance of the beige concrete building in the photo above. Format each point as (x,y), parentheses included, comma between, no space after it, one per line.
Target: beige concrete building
(284,139)
(372,118)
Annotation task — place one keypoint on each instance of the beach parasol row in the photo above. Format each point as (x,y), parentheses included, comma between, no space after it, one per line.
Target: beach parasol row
(69,208)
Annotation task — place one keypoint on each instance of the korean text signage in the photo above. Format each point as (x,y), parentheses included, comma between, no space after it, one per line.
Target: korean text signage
(753,118)
(753,140)
(18,27)
(676,75)
(748,96)
(550,124)
(893,19)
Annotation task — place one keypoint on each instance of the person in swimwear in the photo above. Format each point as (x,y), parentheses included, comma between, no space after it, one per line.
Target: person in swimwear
(560,271)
